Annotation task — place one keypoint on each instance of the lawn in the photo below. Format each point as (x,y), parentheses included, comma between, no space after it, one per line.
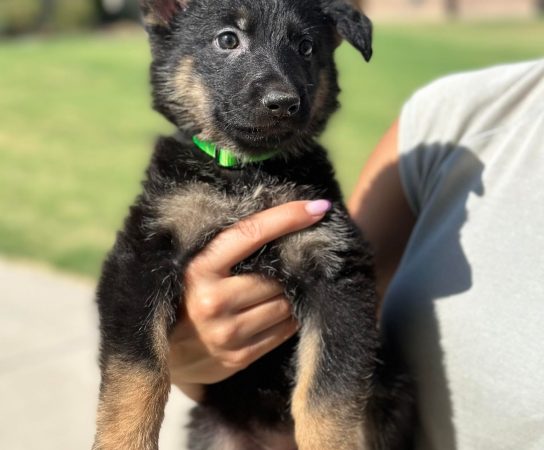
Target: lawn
(76,128)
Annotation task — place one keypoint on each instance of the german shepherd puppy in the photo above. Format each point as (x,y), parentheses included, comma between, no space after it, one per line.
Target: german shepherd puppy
(249,84)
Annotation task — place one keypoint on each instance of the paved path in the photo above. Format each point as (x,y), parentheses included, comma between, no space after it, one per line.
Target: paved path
(48,372)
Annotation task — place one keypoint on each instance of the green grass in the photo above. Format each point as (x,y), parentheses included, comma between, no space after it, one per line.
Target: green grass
(20,15)
(76,128)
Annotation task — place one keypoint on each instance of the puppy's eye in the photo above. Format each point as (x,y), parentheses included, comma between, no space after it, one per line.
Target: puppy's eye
(228,40)
(306,48)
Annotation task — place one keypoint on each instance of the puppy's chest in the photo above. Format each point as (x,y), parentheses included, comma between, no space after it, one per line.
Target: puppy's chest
(198,211)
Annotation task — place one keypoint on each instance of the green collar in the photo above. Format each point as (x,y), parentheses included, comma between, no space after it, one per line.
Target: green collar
(225,158)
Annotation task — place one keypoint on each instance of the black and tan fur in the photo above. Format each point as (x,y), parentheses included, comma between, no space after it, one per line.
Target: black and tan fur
(323,388)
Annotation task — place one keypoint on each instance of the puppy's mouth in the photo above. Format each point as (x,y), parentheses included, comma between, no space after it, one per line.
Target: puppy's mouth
(260,131)
(262,136)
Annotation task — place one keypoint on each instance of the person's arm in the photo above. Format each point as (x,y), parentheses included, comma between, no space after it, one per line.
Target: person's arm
(228,322)
(379,207)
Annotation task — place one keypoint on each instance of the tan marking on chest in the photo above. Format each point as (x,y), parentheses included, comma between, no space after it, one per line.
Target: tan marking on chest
(195,211)
(309,248)
(315,248)
(199,210)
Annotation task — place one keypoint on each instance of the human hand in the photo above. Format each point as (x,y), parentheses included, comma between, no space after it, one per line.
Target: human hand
(228,322)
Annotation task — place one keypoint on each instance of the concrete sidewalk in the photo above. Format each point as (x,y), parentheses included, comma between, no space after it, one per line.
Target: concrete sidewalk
(48,372)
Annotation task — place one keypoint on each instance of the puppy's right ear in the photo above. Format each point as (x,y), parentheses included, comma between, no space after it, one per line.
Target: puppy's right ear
(161,12)
(351,24)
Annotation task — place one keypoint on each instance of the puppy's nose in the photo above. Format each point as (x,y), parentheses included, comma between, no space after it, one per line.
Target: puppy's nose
(281,104)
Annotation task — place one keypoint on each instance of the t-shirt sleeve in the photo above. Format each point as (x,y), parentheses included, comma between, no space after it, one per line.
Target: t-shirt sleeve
(424,130)
(432,124)
(453,112)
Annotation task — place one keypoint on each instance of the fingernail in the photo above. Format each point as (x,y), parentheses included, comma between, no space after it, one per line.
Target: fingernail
(318,207)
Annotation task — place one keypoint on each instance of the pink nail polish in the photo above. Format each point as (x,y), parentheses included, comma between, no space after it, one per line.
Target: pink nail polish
(318,207)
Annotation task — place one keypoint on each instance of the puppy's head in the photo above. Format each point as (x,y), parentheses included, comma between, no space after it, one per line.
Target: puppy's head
(250,75)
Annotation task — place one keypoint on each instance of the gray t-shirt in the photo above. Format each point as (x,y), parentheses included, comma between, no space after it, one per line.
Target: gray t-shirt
(466,307)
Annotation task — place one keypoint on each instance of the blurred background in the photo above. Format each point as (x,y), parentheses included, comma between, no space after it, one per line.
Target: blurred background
(76,131)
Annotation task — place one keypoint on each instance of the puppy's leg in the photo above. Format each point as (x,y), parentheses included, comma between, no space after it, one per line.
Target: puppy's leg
(390,415)
(136,310)
(336,360)
(131,406)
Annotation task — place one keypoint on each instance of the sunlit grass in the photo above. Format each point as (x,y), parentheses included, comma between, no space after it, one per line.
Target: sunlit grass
(76,127)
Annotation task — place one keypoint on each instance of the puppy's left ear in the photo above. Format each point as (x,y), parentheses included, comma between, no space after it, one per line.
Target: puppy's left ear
(161,12)
(351,24)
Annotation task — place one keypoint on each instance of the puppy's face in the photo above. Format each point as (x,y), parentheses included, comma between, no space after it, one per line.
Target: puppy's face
(250,75)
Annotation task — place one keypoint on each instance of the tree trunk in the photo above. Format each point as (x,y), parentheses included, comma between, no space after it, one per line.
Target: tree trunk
(47,11)
(452,8)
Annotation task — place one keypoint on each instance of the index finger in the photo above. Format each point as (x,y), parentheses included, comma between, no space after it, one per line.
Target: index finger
(247,236)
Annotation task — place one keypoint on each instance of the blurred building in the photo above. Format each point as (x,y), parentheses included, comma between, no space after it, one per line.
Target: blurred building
(429,9)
